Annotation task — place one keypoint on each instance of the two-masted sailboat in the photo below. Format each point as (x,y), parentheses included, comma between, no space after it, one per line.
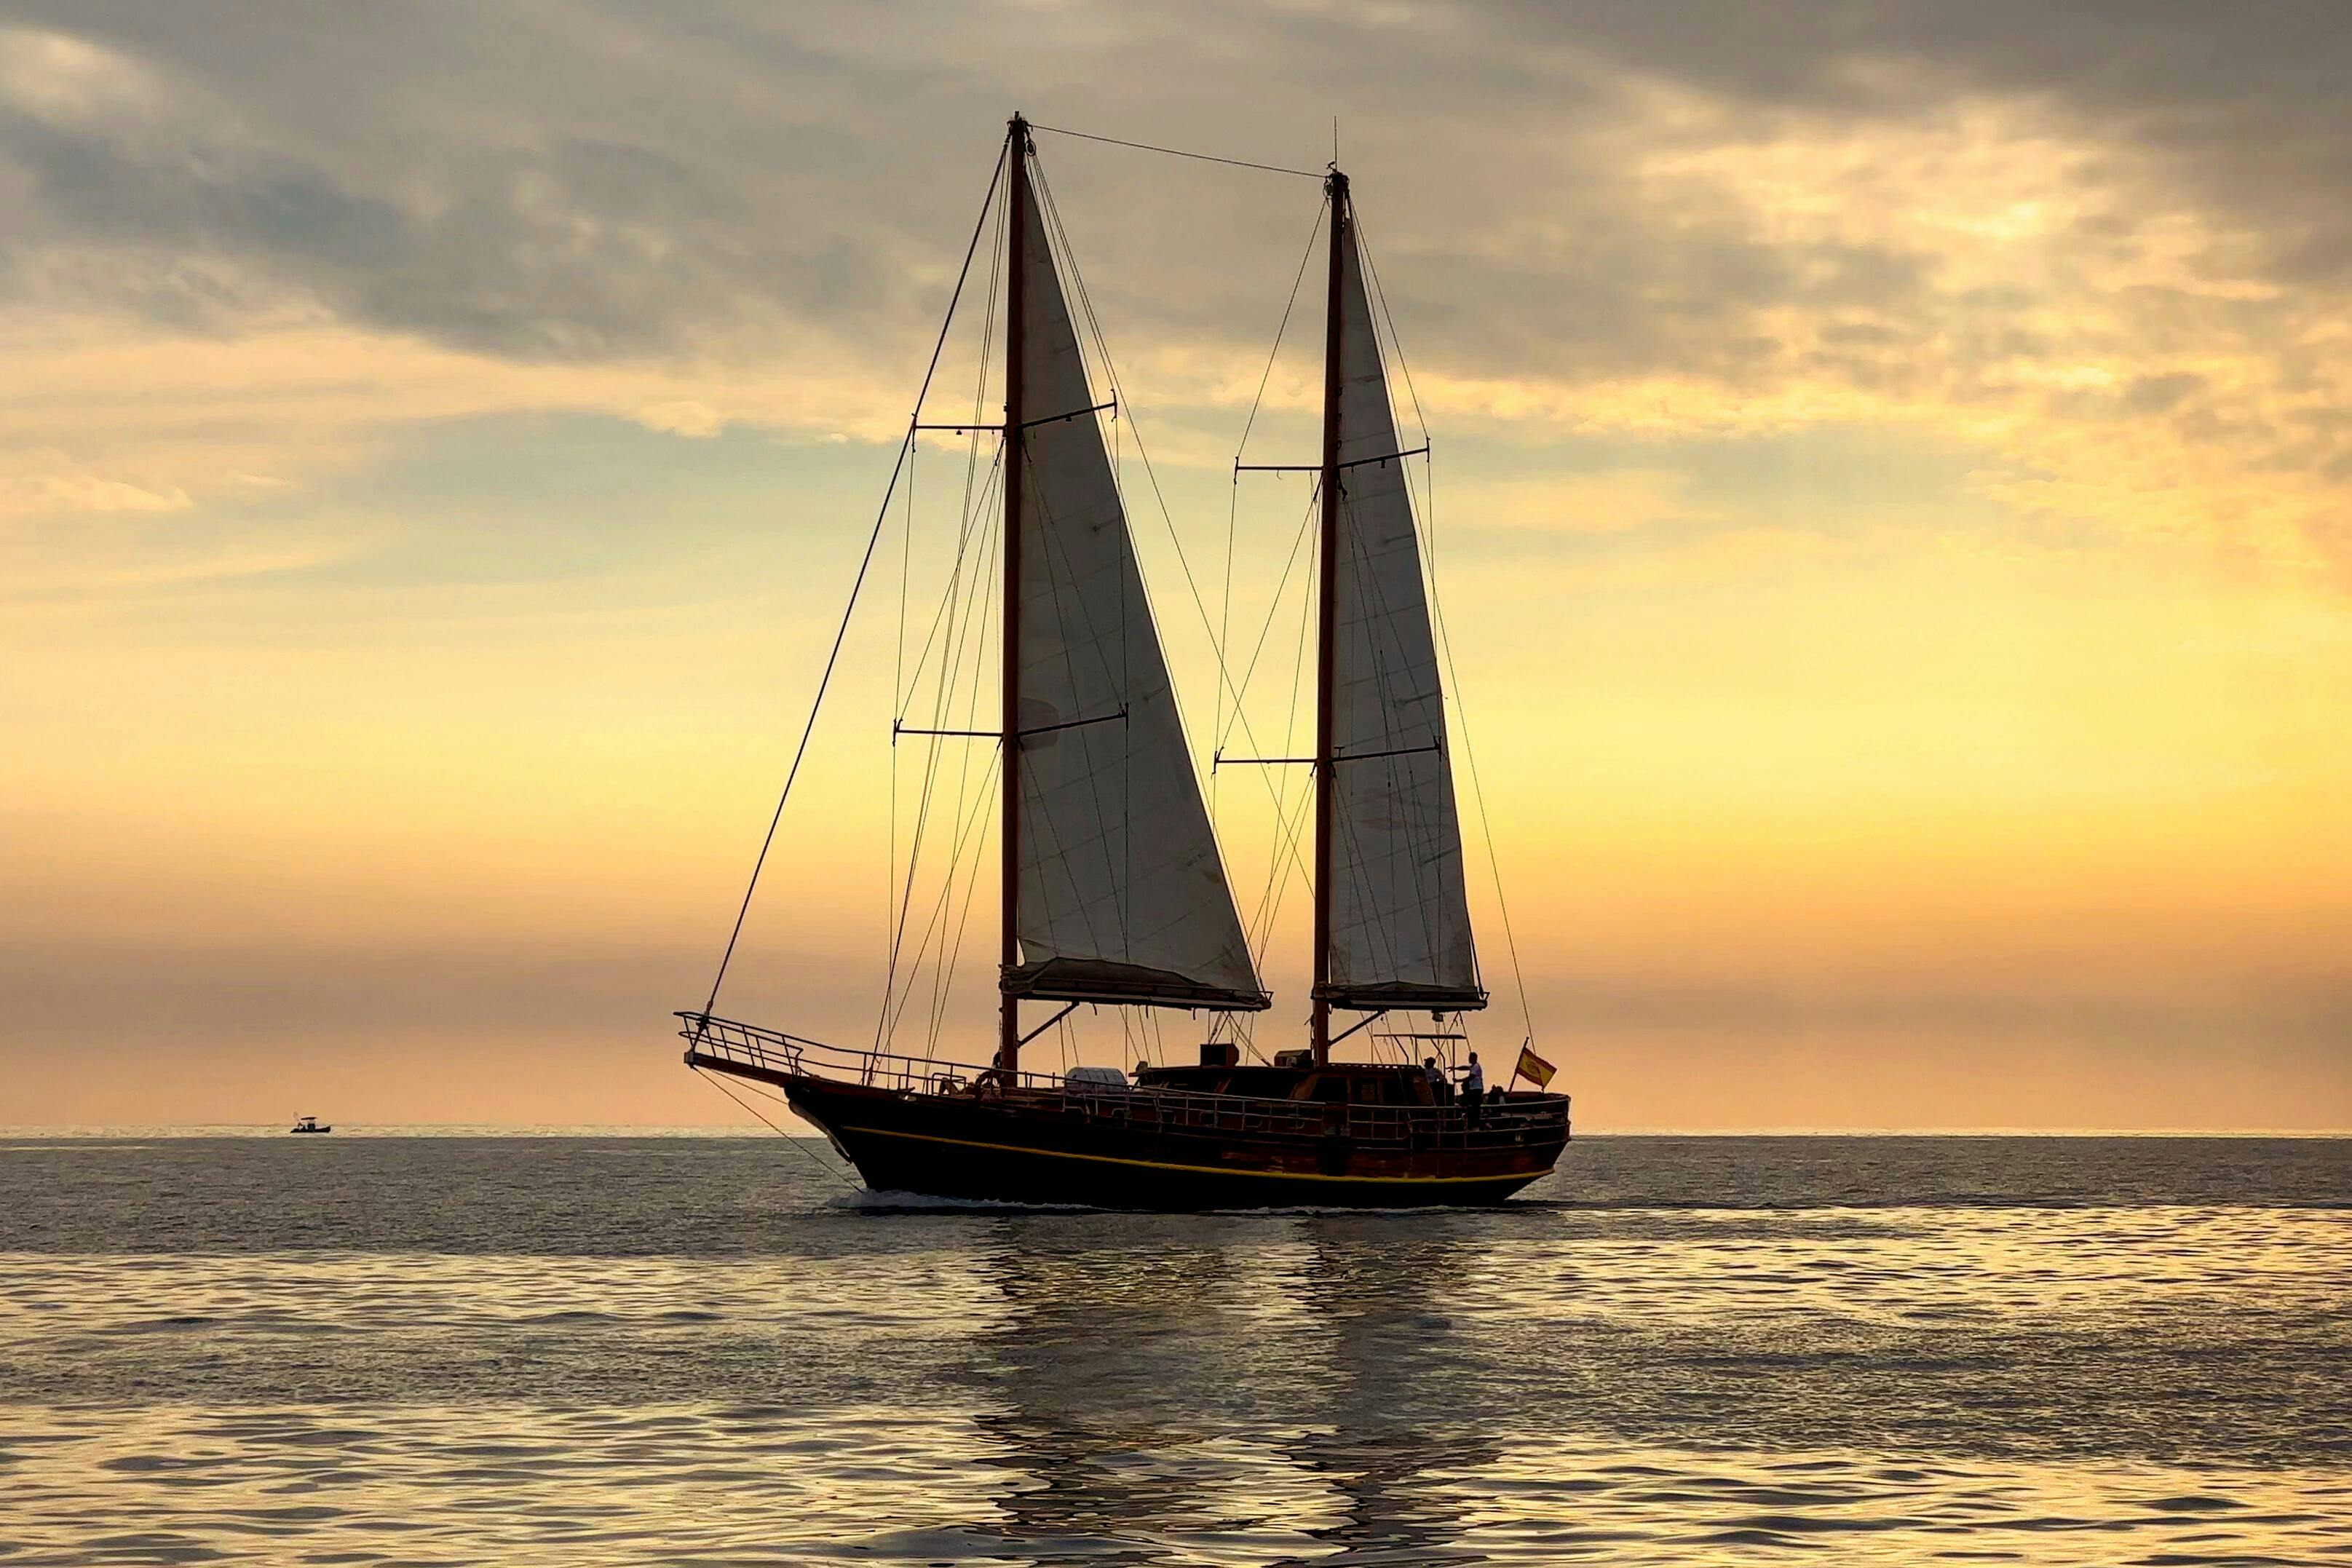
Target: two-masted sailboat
(1114,892)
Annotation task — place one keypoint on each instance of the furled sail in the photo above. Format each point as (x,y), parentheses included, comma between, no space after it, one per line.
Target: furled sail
(1121,895)
(1399,919)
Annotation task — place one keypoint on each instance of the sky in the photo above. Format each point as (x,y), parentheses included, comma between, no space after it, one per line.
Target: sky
(1888,486)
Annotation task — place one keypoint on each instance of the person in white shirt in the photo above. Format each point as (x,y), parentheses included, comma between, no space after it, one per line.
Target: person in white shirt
(1474,1087)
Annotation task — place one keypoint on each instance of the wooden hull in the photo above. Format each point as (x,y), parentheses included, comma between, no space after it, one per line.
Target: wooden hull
(1118,1152)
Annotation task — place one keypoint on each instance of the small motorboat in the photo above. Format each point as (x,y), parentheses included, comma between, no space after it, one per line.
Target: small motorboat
(309,1124)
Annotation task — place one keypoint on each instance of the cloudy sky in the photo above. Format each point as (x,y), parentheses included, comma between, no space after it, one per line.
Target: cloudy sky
(1890,469)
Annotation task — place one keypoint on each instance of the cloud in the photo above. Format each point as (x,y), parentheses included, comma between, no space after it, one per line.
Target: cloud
(683,416)
(2037,234)
(395,395)
(63,79)
(47,481)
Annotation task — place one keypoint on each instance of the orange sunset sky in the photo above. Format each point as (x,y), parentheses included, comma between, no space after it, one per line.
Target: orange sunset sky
(1890,473)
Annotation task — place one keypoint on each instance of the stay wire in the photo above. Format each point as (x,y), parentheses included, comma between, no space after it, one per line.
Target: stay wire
(1364,249)
(941,707)
(943,972)
(822,1169)
(895,1002)
(1274,608)
(1200,604)
(963,534)
(1379,296)
(961,636)
(1446,641)
(1284,326)
(903,698)
(974,518)
(1233,503)
(841,635)
(1180,152)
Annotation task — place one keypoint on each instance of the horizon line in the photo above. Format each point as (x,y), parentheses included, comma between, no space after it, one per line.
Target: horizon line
(67,1130)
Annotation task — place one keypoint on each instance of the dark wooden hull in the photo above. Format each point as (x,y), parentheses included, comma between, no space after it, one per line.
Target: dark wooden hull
(1126,1152)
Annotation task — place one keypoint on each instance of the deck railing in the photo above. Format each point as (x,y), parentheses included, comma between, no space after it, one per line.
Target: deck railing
(1503,1120)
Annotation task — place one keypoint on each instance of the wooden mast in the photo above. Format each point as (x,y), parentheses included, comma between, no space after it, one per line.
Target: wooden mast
(1326,618)
(1016,297)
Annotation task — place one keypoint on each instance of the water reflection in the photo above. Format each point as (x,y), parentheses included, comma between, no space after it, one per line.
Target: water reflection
(1133,1387)
(1400,1384)
(358,1374)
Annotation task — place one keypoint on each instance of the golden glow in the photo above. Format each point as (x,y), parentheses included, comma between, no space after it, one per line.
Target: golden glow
(1906,701)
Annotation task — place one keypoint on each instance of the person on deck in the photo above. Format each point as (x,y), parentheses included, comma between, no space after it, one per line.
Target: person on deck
(1437,1076)
(1474,1087)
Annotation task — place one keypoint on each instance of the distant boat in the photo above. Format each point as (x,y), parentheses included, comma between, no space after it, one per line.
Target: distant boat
(309,1124)
(1114,892)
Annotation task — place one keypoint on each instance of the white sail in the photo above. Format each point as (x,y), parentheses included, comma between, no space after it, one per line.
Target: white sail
(1121,895)
(1399,919)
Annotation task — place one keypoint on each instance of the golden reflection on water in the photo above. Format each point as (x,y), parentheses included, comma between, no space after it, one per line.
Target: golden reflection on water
(2099,1384)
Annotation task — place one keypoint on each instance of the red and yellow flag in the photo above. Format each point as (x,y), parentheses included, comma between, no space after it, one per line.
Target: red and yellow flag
(1534,1069)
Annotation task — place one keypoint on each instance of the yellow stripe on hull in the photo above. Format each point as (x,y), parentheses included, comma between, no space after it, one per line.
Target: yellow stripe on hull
(1209,1170)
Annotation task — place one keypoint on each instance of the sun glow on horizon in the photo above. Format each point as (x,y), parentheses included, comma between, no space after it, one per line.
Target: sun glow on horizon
(1892,527)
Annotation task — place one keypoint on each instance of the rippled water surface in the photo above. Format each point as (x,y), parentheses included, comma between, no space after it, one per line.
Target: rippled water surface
(703,1349)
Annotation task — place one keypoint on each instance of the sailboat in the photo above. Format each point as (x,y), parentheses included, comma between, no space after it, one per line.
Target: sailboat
(1114,893)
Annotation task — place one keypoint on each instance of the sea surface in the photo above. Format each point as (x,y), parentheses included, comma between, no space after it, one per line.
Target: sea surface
(704,1350)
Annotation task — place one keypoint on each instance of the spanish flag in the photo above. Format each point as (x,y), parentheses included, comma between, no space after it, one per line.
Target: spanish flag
(1534,1069)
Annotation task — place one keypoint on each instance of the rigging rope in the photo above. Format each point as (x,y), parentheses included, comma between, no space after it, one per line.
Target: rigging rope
(826,1170)
(1110,372)
(1446,641)
(950,661)
(976,515)
(944,976)
(961,612)
(1233,503)
(1274,608)
(935,924)
(881,515)
(1288,306)
(943,971)
(1180,152)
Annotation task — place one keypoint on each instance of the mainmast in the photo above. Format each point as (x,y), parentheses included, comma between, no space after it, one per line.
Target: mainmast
(1327,619)
(1114,894)
(1016,291)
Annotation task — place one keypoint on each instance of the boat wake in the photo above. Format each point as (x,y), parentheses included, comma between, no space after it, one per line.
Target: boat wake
(866,1202)
(895,1202)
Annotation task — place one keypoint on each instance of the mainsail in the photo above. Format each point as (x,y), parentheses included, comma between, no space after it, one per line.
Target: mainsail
(1121,895)
(1400,920)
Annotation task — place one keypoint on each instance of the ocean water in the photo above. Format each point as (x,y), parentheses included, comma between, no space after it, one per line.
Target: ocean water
(592,1350)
